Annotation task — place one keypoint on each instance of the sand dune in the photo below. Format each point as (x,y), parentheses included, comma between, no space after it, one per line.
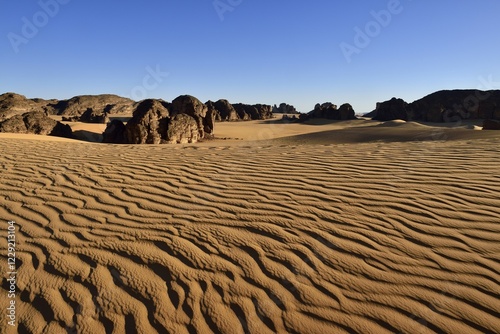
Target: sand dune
(256,236)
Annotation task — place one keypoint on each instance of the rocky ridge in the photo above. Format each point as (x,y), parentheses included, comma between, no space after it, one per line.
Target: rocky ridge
(443,106)
(35,122)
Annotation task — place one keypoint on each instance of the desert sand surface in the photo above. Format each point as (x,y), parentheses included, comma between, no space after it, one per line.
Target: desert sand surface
(354,227)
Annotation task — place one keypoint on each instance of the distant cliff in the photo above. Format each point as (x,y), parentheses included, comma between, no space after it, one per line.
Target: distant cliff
(12,104)
(442,106)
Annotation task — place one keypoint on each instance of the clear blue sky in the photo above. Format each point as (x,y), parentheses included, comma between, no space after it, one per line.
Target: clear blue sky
(263,51)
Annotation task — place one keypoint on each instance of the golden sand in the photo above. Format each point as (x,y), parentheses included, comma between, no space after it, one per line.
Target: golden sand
(355,227)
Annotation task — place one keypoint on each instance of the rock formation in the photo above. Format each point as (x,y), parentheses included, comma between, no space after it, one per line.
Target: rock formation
(100,104)
(489,124)
(185,120)
(209,122)
(91,116)
(115,133)
(443,106)
(244,111)
(148,124)
(14,104)
(346,112)
(253,112)
(183,129)
(284,109)
(35,122)
(264,111)
(330,111)
(225,111)
(391,110)
(190,105)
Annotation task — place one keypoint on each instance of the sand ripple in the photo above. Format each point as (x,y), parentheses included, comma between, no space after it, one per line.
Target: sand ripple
(366,238)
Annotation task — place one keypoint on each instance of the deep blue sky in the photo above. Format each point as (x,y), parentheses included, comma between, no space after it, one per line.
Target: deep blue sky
(263,51)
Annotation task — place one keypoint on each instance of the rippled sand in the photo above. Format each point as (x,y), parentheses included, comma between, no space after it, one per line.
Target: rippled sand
(293,235)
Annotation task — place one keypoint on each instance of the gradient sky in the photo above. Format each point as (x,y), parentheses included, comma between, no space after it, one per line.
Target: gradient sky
(250,51)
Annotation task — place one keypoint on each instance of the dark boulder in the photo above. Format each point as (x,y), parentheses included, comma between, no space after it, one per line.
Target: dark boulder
(346,112)
(209,121)
(264,111)
(284,109)
(158,122)
(148,124)
(226,110)
(489,124)
(91,116)
(329,110)
(182,129)
(212,110)
(253,112)
(36,123)
(245,112)
(317,112)
(115,133)
(392,110)
(190,105)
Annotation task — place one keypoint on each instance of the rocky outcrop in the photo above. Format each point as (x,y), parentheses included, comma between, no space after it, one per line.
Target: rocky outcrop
(182,129)
(253,112)
(489,124)
(264,111)
(35,123)
(453,105)
(225,111)
(148,124)
(12,104)
(346,112)
(213,111)
(190,105)
(92,116)
(284,109)
(115,133)
(391,110)
(185,120)
(444,106)
(330,111)
(209,122)
(372,113)
(245,112)
(100,104)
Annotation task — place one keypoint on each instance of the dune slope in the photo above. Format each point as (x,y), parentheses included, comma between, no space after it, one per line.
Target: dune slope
(256,238)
